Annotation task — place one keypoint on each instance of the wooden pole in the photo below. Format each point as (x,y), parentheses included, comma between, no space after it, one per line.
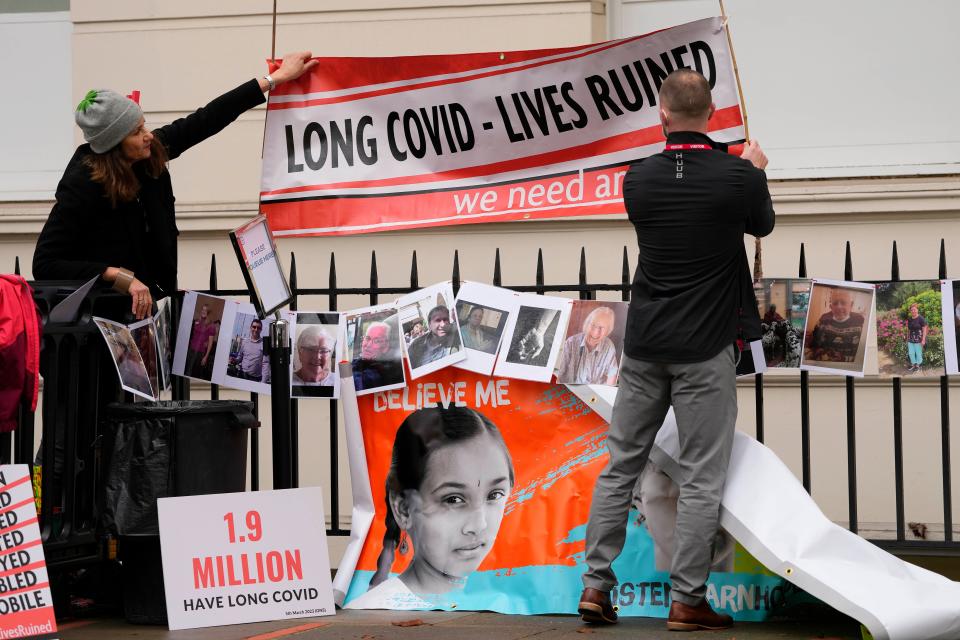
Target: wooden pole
(270,69)
(273,40)
(736,71)
(757,245)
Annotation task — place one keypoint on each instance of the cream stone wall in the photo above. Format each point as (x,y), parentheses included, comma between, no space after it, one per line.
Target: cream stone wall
(179,54)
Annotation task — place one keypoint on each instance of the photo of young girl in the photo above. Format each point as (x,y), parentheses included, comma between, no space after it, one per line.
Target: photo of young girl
(449,479)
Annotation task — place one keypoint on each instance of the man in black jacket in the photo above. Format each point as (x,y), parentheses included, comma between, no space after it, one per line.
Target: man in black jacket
(691,299)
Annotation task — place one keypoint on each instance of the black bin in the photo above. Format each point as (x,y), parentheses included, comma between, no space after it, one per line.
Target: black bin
(158,450)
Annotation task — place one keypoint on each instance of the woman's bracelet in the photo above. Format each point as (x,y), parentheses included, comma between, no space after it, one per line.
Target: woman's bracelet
(123,281)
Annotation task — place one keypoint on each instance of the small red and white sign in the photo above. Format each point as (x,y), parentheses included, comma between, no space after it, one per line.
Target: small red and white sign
(26,606)
(245,557)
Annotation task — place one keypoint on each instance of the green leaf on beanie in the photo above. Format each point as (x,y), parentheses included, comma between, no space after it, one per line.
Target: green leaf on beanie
(87,100)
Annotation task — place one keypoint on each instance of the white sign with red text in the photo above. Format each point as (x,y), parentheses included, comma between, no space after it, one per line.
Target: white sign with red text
(26,607)
(245,557)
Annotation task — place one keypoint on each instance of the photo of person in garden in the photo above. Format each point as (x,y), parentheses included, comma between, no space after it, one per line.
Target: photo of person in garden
(909,329)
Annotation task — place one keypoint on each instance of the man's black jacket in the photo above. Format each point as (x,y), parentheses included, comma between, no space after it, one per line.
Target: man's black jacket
(692,294)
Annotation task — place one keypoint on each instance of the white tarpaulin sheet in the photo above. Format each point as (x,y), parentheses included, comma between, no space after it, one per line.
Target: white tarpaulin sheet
(767,510)
(362,513)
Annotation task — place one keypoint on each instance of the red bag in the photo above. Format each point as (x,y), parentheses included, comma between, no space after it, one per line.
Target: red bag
(19,349)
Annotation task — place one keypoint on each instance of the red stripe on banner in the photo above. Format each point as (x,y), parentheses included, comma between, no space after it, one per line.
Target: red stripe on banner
(280,218)
(598,193)
(14,507)
(19,525)
(436,83)
(39,564)
(722,119)
(36,621)
(15,483)
(338,73)
(26,545)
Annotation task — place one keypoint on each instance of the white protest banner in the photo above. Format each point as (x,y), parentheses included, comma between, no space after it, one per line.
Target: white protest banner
(373,144)
(245,557)
(26,606)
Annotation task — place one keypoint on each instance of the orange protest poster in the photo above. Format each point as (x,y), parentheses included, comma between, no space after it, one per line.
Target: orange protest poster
(481,488)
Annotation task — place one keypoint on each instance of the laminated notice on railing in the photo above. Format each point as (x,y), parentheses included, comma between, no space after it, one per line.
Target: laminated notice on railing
(373,144)
(26,607)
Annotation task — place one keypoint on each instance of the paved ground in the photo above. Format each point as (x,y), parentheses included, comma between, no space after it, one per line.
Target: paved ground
(390,625)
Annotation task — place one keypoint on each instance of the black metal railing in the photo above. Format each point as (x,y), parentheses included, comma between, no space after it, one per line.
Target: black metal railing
(586,290)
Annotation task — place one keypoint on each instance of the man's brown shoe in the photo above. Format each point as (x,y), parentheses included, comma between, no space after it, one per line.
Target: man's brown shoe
(595,607)
(683,617)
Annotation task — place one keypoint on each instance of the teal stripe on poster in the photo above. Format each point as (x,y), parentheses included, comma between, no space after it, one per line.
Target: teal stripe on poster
(642,591)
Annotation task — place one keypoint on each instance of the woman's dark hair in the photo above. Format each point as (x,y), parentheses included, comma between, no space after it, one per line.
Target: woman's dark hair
(115,173)
(421,434)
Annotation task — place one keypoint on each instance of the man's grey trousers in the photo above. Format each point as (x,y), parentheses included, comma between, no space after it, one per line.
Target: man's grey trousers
(704,399)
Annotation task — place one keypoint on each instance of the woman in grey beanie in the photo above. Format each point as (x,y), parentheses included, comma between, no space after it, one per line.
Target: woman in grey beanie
(114,212)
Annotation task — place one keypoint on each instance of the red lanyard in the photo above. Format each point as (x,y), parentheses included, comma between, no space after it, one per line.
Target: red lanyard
(687,147)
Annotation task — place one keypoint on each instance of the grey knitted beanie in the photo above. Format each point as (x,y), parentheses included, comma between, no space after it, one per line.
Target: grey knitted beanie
(106,118)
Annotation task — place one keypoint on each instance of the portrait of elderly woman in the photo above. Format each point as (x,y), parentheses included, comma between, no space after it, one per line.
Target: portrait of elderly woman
(314,362)
(589,354)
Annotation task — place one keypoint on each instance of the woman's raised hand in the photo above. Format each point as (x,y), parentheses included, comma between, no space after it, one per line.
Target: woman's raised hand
(293,66)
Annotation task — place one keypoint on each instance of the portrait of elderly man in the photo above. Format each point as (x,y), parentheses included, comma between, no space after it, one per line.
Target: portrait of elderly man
(378,364)
(315,356)
(440,340)
(590,357)
(837,334)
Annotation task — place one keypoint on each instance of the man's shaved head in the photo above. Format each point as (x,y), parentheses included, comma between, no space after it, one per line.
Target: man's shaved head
(686,94)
